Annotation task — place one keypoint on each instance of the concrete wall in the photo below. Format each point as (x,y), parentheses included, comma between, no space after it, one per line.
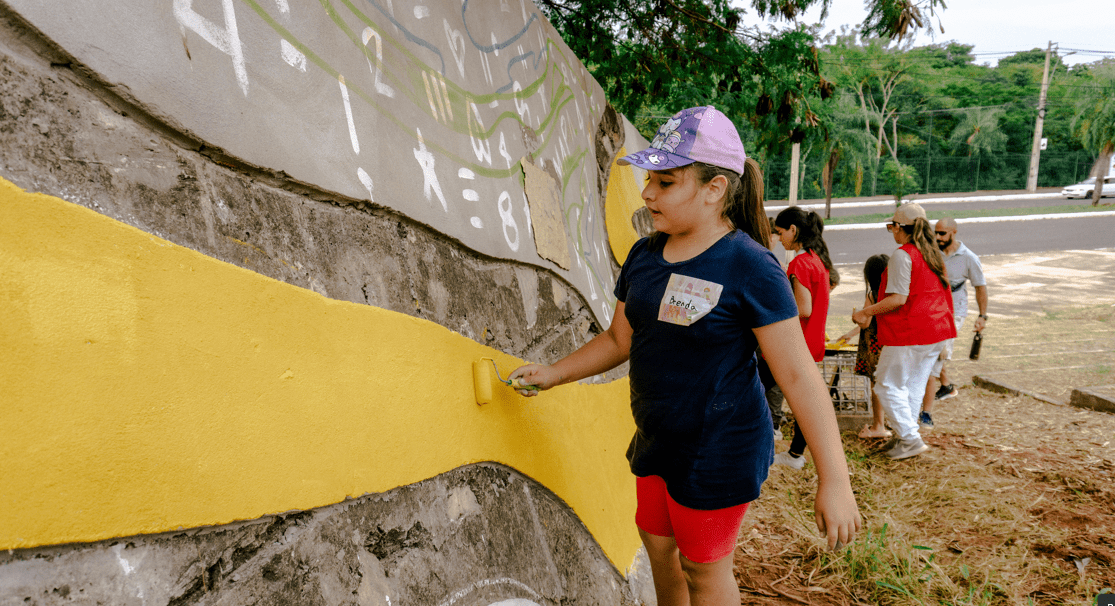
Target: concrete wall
(427,110)
(240,296)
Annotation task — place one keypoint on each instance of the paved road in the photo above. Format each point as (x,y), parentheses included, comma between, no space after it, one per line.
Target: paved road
(963,202)
(987,238)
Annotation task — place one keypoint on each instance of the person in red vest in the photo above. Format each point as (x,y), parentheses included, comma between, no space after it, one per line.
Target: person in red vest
(915,322)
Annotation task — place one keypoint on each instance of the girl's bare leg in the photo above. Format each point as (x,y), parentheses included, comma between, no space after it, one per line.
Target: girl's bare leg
(711,584)
(665,563)
(878,422)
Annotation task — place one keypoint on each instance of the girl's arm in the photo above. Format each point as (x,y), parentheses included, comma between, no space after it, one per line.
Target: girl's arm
(890,303)
(802,297)
(604,352)
(844,338)
(796,373)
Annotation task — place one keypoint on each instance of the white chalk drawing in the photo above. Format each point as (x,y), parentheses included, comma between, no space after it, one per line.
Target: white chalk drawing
(366,180)
(348,116)
(500,582)
(465,85)
(292,56)
(226,39)
(508,221)
(430,184)
(381,87)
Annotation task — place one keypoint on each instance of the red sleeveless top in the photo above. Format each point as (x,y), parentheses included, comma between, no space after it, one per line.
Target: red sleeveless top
(926,317)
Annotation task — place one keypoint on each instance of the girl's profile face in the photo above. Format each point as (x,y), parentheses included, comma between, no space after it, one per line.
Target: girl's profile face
(672,198)
(788,237)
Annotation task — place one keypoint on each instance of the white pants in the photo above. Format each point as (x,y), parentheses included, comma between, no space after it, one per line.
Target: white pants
(947,353)
(900,379)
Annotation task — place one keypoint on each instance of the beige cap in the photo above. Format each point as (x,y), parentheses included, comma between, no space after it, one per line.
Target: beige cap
(905,214)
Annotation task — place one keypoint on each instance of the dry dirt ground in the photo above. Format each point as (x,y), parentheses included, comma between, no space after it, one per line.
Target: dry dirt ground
(1013,504)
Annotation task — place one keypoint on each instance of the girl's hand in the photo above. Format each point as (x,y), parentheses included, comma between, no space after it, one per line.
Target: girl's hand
(542,377)
(837,514)
(861,318)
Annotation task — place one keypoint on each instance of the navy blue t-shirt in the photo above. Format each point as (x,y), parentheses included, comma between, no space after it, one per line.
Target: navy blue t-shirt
(702,421)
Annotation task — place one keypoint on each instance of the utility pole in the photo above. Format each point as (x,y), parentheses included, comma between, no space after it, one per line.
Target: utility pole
(795,158)
(1035,149)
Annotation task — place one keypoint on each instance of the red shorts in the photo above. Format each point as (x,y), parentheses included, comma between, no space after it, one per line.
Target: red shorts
(702,536)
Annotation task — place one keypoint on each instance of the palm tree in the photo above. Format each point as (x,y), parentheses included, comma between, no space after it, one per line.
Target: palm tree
(846,141)
(1095,121)
(979,130)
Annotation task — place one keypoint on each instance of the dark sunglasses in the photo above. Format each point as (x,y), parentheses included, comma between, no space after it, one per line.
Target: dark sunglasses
(942,233)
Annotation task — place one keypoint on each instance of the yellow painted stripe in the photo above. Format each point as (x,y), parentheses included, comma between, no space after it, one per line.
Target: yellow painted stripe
(146,387)
(625,196)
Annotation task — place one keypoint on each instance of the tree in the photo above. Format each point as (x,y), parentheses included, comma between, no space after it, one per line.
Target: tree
(669,54)
(879,77)
(979,132)
(846,145)
(902,178)
(1095,121)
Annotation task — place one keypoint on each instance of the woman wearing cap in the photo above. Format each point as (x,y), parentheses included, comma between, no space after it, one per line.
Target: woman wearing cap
(914,321)
(694,300)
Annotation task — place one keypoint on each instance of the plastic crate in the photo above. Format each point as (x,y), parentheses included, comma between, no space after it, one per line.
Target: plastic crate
(851,393)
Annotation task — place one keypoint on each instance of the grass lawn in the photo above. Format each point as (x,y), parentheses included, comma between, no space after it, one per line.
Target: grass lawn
(1011,505)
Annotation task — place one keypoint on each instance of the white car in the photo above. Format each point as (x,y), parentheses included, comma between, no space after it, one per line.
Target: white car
(1085,188)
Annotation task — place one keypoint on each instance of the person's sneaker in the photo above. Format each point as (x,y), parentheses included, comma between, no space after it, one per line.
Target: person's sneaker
(784,458)
(777,435)
(945,392)
(906,449)
(925,422)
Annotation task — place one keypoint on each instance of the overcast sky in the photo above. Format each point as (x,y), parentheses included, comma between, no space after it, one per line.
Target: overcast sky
(999,26)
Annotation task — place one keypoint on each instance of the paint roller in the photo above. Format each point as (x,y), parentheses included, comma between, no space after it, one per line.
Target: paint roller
(482,380)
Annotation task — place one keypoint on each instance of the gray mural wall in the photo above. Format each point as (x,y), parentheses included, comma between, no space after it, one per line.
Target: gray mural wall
(430,109)
(445,160)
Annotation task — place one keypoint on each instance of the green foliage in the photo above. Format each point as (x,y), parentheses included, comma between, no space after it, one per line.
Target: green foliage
(921,105)
(658,56)
(1094,119)
(902,179)
(979,131)
(858,97)
(1032,57)
(885,570)
(897,17)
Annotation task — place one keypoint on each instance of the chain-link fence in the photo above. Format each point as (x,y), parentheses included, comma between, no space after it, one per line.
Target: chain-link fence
(937,174)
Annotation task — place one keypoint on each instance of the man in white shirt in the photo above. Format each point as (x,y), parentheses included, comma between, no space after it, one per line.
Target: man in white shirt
(963,266)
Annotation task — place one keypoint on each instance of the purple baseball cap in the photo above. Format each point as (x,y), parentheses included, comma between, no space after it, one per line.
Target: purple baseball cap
(698,134)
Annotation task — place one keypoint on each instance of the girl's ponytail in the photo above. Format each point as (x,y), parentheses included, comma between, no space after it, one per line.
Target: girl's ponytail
(822,249)
(752,214)
(873,270)
(923,238)
(743,201)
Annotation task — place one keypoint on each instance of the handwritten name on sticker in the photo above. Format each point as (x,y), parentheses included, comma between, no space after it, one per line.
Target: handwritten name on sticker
(687,299)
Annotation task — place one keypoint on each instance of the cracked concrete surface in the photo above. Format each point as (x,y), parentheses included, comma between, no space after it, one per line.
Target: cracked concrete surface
(480,534)
(476,535)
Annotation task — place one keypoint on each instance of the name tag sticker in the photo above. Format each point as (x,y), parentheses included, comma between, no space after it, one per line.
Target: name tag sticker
(688,299)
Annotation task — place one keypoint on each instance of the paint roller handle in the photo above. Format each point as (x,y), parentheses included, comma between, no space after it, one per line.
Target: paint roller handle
(519,385)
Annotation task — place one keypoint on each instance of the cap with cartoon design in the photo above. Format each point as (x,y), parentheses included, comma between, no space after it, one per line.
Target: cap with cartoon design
(698,134)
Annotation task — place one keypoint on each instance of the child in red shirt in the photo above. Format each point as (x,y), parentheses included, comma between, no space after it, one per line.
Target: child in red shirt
(812,276)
